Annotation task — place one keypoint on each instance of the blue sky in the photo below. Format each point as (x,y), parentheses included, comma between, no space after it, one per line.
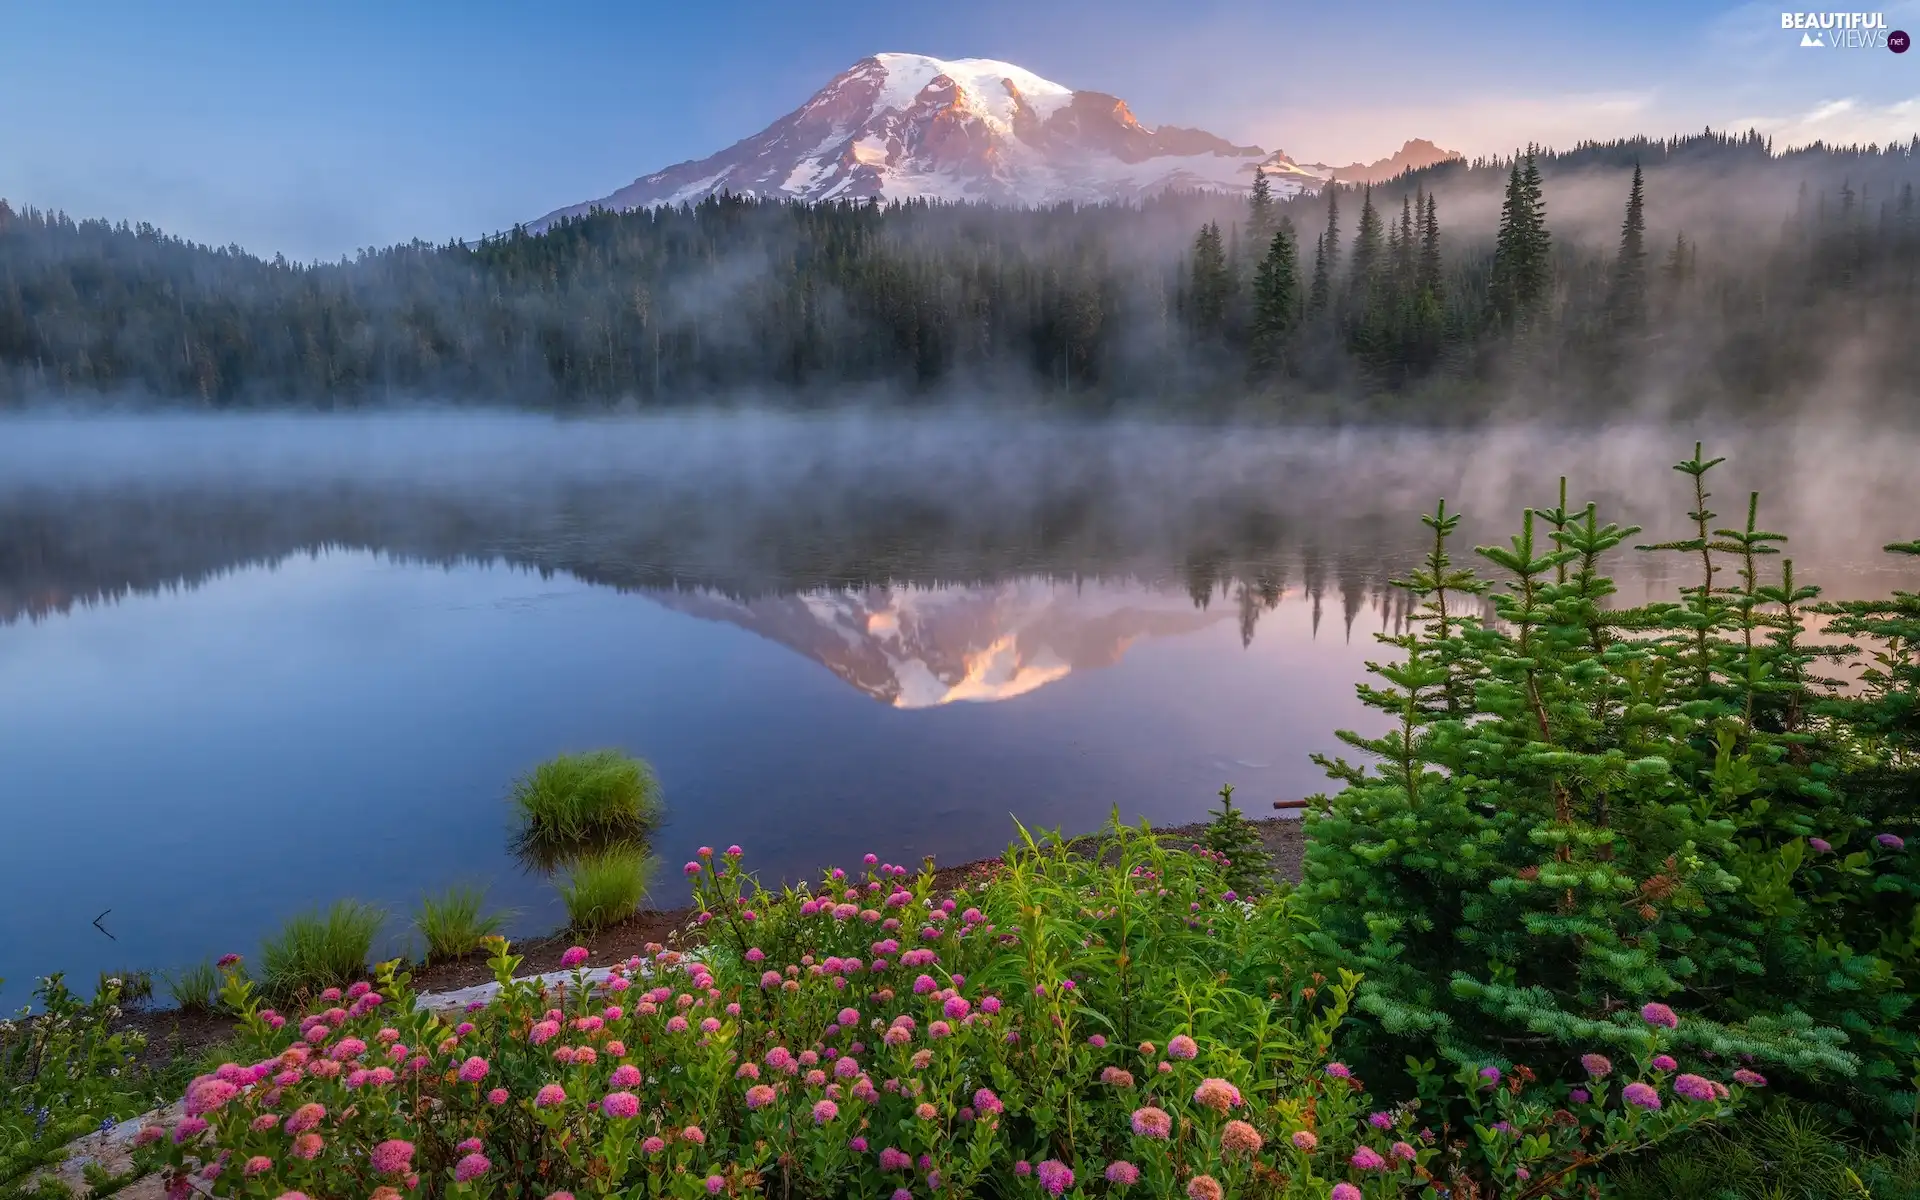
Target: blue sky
(313,129)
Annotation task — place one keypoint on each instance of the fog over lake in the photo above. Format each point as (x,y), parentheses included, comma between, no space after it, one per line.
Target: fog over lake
(252,664)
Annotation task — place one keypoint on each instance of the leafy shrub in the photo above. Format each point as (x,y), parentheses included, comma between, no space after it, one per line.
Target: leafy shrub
(1242,851)
(1100,1022)
(606,888)
(194,989)
(453,924)
(316,950)
(595,798)
(64,1072)
(1584,809)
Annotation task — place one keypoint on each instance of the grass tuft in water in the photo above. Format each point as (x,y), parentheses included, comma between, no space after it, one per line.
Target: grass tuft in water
(194,989)
(596,798)
(317,950)
(606,888)
(136,987)
(453,923)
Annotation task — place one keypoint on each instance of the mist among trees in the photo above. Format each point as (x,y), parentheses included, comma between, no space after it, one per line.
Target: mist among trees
(1632,276)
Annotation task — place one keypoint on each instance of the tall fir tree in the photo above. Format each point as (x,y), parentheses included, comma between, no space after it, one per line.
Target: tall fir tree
(1628,302)
(1522,249)
(1210,282)
(1331,239)
(1427,275)
(1261,216)
(1276,299)
(1367,250)
(1320,293)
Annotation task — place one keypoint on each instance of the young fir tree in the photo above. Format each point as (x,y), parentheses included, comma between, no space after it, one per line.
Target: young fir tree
(1582,809)
(1276,299)
(1627,305)
(1234,838)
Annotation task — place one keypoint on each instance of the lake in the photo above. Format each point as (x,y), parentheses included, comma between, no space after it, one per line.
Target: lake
(249,665)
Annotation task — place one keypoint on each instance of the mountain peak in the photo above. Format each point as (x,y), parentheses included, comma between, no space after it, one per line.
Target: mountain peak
(897,126)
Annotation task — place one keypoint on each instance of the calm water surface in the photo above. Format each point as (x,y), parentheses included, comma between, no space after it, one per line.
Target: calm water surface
(248,666)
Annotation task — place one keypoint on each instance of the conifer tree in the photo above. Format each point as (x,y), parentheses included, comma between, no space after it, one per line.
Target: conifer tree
(1210,282)
(1260,212)
(1331,239)
(1275,301)
(1593,825)
(1320,294)
(1629,288)
(1521,257)
(1367,249)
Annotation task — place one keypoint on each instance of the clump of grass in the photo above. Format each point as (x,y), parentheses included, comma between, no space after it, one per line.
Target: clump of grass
(605,888)
(194,989)
(594,799)
(317,950)
(452,922)
(136,987)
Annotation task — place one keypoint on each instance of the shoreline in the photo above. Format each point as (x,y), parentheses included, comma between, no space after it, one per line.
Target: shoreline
(172,1033)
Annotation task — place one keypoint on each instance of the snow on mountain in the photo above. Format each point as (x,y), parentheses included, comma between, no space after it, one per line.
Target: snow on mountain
(896,126)
(922,647)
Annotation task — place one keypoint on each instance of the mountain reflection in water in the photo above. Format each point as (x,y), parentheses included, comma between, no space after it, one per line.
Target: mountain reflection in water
(249,665)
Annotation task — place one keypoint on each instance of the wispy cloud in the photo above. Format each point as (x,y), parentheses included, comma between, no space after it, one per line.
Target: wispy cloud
(1846,121)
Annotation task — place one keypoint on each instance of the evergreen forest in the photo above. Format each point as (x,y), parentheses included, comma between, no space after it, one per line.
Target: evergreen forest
(1645,275)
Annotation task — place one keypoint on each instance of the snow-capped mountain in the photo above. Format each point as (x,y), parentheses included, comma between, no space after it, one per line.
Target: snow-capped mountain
(897,126)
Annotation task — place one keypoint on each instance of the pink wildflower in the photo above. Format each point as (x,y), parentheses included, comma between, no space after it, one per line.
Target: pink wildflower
(894,1160)
(1344,1191)
(473,1070)
(694,1134)
(824,1111)
(621,1104)
(308,1146)
(1664,1062)
(1152,1122)
(1241,1138)
(1054,1176)
(1659,1014)
(257,1165)
(497,1097)
(550,1096)
(1367,1159)
(760,1095)
(1749,1078)
(1122,1173)
(574,956)
(1204,1187)
(1596,1065)
(392,1157)
(1216,1094)
(1692,1087)
(306,1117)
(1641,1095)
(1182,1047)
(470,1168)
